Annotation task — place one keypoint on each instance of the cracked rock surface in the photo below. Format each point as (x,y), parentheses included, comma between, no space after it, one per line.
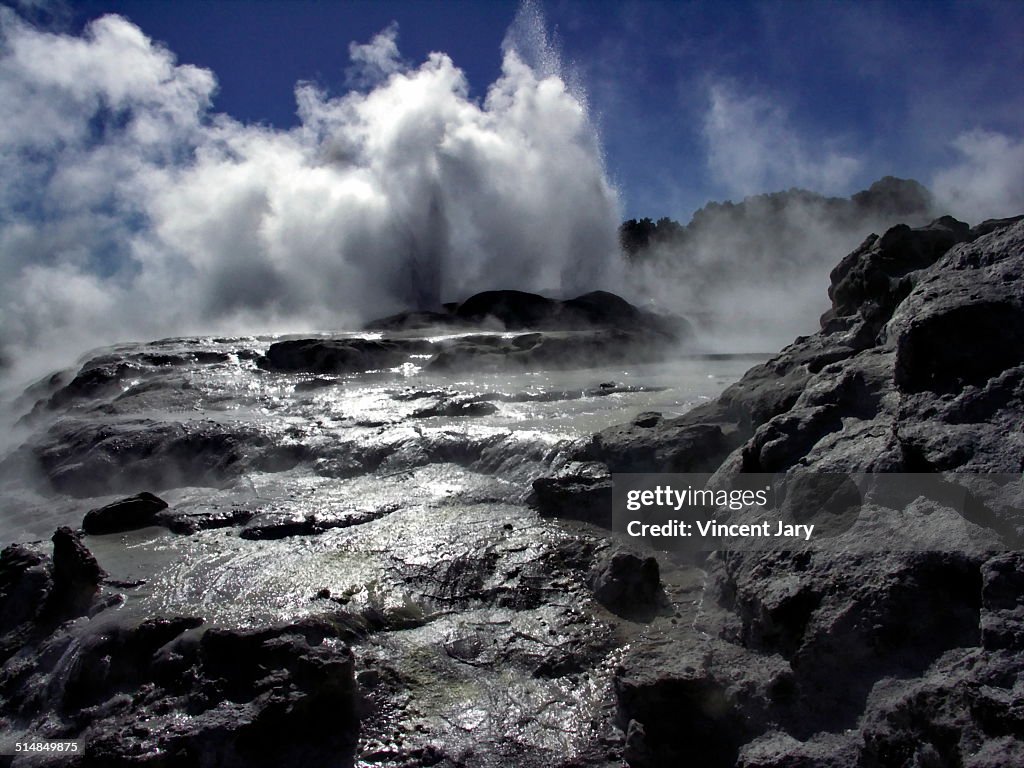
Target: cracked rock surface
(881,658)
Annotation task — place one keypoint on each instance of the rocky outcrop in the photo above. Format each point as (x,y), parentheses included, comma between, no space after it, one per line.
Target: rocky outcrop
(340,355)
(275,696)
(860,373)
(518,310)
(278,695)
(512,611)
(91,457)
(594,329)
(525,351)
(137,511)
(825,659)
(38,592)
(626,583)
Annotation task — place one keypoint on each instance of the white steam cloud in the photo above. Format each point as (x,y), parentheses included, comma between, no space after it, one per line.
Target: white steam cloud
(987,182)
(753,148)
(130,209)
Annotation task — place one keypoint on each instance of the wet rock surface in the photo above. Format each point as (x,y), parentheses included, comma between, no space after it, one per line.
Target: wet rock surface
(823,658)
(233,511)
(598,328)
(347,571)
(489,652)
(127,514)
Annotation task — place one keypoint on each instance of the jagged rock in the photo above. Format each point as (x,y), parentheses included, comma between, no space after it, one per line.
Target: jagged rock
(962,324)
(777,749)
(685,701)
(272,696)
(873,279)
(1002,600)
(38,592)
(823,659)
(139,511)
(76,574)
(658,445)
(26,581)
(626,583)
(578,491)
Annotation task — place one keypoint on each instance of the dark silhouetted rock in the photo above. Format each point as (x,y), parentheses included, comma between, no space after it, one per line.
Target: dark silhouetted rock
(894,197)
(552,350)
(522,311)
(270,696)
(340,355)
(626,583)
(578,491)
(279,525)
(39,592)
(594,329)
(515,310)
(26,581)
(416,321)
(76,574)
(128,514)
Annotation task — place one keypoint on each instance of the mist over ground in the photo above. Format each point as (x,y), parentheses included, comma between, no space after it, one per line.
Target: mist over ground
(133,209)
(754,275)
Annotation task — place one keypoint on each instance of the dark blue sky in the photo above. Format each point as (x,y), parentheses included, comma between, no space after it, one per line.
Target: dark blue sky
(889,86)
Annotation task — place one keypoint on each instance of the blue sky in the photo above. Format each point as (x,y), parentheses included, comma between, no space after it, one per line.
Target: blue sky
(890,85)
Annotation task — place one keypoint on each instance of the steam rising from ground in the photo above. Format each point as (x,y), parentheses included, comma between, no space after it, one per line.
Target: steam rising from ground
(130,209)
(752,148)
(754,275)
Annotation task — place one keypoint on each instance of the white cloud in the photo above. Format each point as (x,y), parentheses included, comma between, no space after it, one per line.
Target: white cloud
(131,210)
(988,179)
(752,148)
(376,60)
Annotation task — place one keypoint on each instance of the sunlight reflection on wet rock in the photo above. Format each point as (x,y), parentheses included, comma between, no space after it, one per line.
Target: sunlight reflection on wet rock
(390,501)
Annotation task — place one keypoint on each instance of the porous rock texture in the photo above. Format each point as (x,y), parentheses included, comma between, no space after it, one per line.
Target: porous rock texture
(812,658)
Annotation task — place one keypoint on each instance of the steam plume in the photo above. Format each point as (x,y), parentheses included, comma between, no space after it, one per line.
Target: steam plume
(131,209)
